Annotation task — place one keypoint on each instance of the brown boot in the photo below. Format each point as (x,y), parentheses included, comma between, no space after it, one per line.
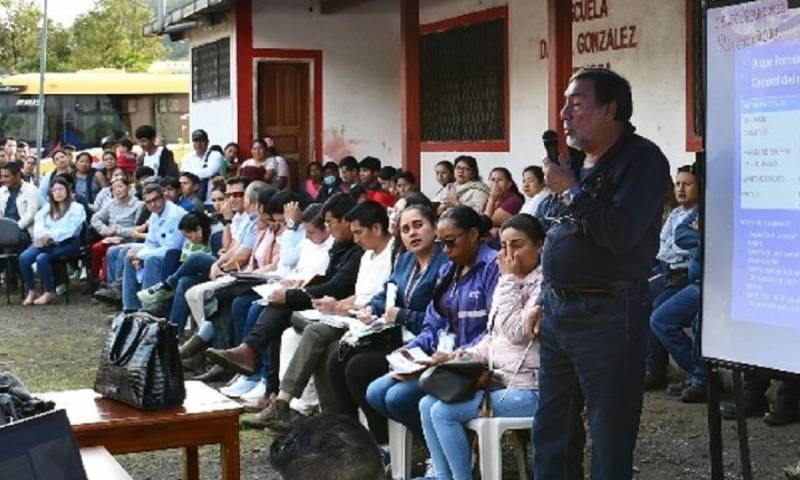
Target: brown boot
(192,347)
(241,359)
(215,374)
(277,417)
(260,404)
(195,364)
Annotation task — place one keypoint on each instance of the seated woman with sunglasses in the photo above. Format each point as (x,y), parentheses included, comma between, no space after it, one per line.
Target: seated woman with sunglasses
(508,349)
(57,231)
(415,273)
(456,316)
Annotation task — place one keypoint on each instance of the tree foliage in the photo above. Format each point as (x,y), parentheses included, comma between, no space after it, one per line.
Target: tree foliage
(108,36)
(111,36)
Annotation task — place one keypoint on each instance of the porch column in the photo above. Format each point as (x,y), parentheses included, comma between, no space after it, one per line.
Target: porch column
(412,118)
(559,63)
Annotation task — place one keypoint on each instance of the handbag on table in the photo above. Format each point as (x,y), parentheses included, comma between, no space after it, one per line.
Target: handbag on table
(140,365)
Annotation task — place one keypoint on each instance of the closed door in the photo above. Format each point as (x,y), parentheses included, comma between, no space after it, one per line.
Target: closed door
(284,112)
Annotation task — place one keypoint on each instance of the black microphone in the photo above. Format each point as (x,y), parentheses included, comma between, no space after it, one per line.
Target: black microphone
(550,140)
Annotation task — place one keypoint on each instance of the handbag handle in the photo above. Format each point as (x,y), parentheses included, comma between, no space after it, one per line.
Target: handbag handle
(124,357)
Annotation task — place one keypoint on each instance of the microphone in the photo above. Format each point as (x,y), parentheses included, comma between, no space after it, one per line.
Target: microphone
(550,140)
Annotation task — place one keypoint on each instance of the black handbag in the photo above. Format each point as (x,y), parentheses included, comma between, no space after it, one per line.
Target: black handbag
(140,365)
(455,380)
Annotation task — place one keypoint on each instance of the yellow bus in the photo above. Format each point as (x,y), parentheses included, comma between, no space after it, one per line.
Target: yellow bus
(84,107)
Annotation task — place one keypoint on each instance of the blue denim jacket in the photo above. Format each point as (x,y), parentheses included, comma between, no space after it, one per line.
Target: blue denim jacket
(412,310)
(467,304)
(688,238)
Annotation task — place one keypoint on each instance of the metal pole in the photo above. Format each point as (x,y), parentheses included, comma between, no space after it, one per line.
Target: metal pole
(40,112)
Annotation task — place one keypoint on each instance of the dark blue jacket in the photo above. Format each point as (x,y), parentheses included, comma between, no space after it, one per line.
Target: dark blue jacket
(610,231)
(688,238)
(411,312)
(467,304)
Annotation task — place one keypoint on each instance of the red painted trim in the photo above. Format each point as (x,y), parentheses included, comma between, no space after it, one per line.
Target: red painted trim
(465,20)
(503,145)
(493,146)
(296,54)
(244,84)
(559,62)
(694,142)
(412,114)
(245,102)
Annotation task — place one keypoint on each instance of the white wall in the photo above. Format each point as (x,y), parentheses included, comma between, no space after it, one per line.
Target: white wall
(218,116)
(655,68)
(527,84)
(361,70)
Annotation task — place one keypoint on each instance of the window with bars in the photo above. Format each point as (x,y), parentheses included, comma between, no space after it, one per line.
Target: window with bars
(463,83)
(211,76)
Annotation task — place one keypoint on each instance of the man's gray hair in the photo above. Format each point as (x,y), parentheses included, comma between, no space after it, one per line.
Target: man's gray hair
(151,188)
(254,190)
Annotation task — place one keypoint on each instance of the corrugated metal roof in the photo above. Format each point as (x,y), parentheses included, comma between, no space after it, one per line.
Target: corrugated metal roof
(188,12)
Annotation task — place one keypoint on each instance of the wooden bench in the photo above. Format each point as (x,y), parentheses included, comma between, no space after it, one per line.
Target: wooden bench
(206,417)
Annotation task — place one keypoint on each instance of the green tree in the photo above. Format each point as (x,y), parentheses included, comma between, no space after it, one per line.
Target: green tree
(110,36)
(19,39)
(19,34)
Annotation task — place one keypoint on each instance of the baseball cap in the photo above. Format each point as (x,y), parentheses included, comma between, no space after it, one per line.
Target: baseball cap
(199,134)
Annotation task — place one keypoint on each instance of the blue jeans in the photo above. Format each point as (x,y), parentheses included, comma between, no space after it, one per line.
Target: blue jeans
(172,261)
(397,400)
(657,356)
(43,257)
(245,315)
(191,272)
(668,322)
(592,350)
(443,424)
(130,283)
(115,263)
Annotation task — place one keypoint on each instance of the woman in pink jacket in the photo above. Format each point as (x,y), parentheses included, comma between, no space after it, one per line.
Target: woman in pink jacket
(510,351)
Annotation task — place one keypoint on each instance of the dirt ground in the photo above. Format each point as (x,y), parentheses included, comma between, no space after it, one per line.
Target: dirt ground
(57,348)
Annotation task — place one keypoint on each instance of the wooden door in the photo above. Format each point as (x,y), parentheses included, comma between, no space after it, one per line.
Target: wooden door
(284,112)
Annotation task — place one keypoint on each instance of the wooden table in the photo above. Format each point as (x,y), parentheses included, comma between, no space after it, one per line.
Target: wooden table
(100,465)
(207,417)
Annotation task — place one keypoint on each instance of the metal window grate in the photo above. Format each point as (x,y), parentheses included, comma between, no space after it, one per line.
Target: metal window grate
(462,87)
(211,77)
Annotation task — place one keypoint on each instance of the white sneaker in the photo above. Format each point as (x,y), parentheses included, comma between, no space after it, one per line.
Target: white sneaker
(429,470)
(61,289)
(241,386)
(256,392)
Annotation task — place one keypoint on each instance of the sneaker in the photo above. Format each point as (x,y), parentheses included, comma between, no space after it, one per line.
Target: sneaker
(752,409)
(239,386)
(430,472)
(778,417)
(675,389)
(109,296)
(256,392)
(695,393)
(61,289)
(83,275)
(156,294)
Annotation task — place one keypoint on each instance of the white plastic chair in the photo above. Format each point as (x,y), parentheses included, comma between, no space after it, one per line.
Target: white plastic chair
(401,441)
(490,432)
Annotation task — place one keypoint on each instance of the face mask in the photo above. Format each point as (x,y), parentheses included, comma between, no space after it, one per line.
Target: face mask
(330,180)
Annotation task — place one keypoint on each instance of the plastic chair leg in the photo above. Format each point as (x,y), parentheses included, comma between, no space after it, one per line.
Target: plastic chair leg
(401,442)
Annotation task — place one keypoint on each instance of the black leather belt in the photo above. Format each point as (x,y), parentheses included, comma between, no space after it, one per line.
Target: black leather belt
(598,291)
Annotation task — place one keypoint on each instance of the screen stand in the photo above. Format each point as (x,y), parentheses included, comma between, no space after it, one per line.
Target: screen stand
(715,423)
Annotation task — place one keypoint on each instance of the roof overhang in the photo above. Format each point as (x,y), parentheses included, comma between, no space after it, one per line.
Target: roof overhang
(195,13)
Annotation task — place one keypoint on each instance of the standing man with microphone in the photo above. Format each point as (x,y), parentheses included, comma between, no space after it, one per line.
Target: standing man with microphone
(593,311)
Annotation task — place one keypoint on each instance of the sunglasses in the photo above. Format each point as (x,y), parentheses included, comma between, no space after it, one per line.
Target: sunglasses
(451,242)
(235,195)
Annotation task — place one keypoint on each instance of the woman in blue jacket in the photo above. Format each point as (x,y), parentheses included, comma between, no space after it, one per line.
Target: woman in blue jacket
(414,277)
(455,317)
(57,231)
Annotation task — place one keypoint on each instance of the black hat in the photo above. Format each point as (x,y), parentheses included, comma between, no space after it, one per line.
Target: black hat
(199,134)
